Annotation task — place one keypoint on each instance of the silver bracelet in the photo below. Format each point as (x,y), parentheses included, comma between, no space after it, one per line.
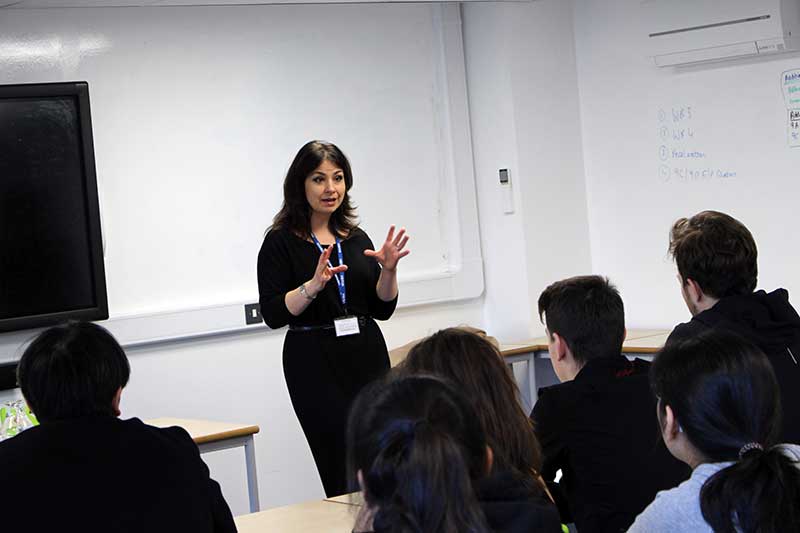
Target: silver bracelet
(304,292)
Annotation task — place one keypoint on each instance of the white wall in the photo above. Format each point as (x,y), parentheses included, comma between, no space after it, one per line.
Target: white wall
(738,123)
(524,108)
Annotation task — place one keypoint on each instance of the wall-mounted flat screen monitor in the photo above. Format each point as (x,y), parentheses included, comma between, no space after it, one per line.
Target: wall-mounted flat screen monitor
(51,249)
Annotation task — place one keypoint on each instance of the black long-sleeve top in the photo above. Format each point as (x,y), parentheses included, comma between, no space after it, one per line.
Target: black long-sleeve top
(286,260)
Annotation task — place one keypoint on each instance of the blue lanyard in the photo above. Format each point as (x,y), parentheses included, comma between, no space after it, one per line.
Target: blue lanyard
(340,276)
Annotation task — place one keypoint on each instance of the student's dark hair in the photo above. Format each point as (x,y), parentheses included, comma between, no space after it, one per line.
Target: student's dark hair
(295,213)
(587,312)
(717,251)
(476,367)
(72,370)
(723,393)
(418,444)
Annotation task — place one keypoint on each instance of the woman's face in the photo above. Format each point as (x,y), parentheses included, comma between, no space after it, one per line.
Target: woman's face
(325,188)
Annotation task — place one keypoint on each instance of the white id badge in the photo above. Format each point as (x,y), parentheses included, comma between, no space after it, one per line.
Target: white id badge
(346,326)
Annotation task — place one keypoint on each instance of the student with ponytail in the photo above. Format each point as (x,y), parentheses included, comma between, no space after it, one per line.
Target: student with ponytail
(416,448)
(719,409)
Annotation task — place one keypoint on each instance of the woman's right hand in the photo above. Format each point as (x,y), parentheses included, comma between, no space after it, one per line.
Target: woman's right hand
(324,272)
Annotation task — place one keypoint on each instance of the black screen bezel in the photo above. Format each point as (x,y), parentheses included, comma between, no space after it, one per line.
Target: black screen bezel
(78,90)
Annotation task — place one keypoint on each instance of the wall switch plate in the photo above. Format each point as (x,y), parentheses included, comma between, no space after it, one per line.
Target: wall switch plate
(505,190)
(252,314)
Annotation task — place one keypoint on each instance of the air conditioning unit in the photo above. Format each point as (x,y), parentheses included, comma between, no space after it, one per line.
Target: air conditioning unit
(682,32)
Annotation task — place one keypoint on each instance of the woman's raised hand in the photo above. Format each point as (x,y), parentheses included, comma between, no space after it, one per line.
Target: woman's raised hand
(324,271)
(392,250)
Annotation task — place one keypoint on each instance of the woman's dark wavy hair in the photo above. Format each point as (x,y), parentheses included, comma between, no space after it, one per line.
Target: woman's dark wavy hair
(476,367)
(724,394)
(295,213)
(72,370)
(418,444)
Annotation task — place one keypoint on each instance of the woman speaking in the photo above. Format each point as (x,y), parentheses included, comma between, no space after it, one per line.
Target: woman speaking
(320,274)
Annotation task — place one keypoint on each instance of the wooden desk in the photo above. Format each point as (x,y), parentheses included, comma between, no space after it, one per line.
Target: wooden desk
(323,516)
(638,343)
(354,498)
(212,436)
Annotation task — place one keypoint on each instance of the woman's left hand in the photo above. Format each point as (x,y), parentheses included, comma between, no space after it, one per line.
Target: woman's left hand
(392,250)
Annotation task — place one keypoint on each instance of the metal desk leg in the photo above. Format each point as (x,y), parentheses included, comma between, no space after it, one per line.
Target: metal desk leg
(252,479)
(533,389)
(249,459)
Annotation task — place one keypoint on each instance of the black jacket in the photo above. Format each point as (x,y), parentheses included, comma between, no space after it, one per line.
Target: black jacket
(510,506)
(769,321)
(103,474)
(601,431)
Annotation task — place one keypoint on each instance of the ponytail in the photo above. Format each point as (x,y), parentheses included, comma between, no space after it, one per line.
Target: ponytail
(759,493)
(432,489)
(417,445)
(724,394)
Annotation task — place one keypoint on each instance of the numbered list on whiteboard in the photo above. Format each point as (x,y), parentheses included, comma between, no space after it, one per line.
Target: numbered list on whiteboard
(680,153)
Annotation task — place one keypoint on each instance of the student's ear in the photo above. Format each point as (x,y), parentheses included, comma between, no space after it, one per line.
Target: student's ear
(693,290)
(360,478)
(489,459)
(115,402)
(670,427)
(558,347)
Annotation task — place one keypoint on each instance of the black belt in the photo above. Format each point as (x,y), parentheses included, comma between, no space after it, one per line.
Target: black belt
(362,321)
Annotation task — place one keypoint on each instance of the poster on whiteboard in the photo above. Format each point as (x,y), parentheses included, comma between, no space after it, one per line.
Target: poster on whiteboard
(790,81)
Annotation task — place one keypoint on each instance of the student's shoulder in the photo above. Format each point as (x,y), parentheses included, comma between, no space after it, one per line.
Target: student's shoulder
(675,510)
(558,398)
(23,445)
(32,453)
(168,437)
(686,330)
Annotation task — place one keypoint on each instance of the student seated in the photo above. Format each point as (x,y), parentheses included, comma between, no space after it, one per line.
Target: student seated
(83,469)
(717,268)
(598,425)
(419,453)
(475,366)
(719,410)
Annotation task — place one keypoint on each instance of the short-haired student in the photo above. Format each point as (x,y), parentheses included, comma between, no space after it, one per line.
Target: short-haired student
(598,425)
(716,256)
(85,469)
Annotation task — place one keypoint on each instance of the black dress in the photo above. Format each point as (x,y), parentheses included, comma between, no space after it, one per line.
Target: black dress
(324,372)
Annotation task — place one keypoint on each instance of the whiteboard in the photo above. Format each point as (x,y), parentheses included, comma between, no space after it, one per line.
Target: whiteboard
(660,144)
(198,111)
